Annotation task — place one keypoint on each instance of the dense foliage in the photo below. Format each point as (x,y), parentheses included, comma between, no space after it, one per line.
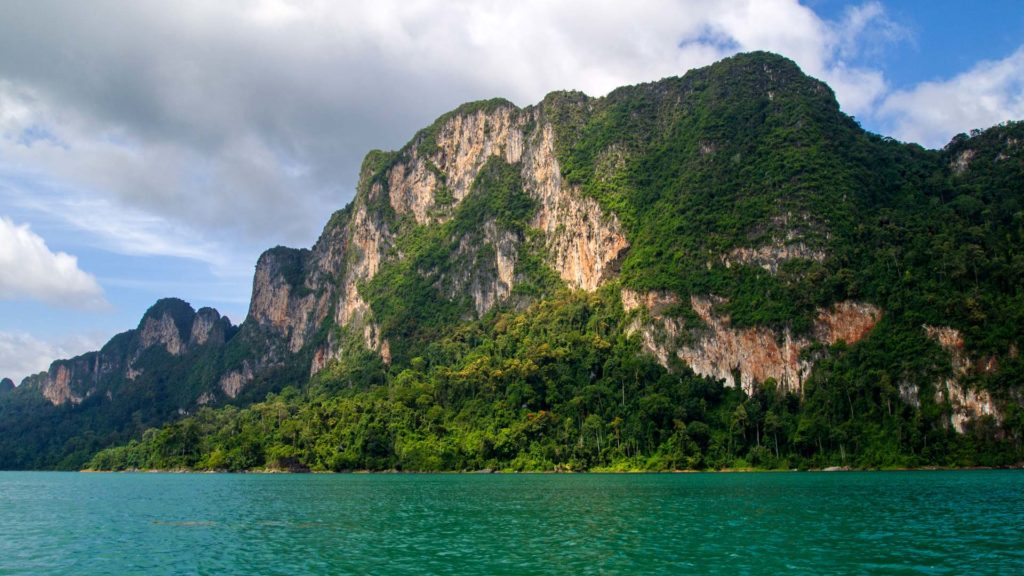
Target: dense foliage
(750,152)
(35,434)
(418,296)
(558,386)
(743,156)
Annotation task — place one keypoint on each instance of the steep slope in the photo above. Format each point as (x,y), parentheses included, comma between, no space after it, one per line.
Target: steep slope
(739,188)
(141,378)
(743,243)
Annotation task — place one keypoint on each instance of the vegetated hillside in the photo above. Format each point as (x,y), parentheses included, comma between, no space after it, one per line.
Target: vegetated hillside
(715,270)
(140,379)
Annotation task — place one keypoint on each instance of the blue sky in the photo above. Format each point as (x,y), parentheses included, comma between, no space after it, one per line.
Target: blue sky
(148,153)
(942,37)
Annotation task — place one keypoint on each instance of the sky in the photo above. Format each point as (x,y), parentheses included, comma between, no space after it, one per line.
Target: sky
(152,149)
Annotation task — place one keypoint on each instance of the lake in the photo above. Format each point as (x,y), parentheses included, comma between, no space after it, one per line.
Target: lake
(943,522)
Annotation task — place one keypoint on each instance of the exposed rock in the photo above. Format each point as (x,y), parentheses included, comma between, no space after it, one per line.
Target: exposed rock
(654,302)
(488,276)
(967,403)
(278,304)
(584,243)
(846,321)
(909,394)
(6,385)
(59,389)
(962,162)
(324,355)
(369,239)
(161,331)
(464,143)
(73,380)
(784,237)
(751,355)
(659,333)
(294,292)
(233,382)
(131,372)
(413,187)
(207,327)
(770,257)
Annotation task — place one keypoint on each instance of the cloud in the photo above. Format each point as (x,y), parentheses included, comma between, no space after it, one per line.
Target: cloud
(866,29)
(31,270)
(22,354)
(128,231)
(244,123)
(932,112)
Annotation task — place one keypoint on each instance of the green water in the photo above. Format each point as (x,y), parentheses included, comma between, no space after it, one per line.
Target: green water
(969,522)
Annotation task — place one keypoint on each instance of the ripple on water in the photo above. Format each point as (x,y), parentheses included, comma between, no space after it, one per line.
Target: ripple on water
(802,523)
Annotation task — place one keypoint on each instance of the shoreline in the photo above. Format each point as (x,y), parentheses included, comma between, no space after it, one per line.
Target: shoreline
(830,469)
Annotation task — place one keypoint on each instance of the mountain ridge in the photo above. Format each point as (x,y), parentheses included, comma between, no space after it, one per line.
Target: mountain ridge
(725,209)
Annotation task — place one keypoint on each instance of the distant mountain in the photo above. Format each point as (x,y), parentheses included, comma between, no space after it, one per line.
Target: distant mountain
(713,270)
(141,378)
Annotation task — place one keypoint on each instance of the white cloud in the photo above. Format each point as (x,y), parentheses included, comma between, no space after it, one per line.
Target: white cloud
(31,270)
(866,28)
(932,112)
(220,128)
(22,354)
(243,123)
(130,231)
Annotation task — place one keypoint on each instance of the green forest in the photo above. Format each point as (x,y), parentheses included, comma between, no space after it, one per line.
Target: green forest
(559,387)
(744,154)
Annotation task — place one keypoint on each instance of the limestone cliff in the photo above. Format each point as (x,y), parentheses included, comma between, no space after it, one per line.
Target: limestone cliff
(966,402)
(170,326)
(748,224)
(785,237)
(583,241)
(310,306)
(741,357)
(488,276)
(294,291)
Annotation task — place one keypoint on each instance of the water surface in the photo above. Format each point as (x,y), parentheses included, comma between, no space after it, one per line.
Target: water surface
(968,522)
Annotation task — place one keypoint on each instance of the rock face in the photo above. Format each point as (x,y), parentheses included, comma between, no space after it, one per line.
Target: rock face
(783,238)
(170,325)
(309,307)
(967,403)
(464,143)
(279,301)
(233,382)
(423,185)
(208,328)
(584,242)
(163,332)
(6,385)
(770,256)
(487,278)
(741,357)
